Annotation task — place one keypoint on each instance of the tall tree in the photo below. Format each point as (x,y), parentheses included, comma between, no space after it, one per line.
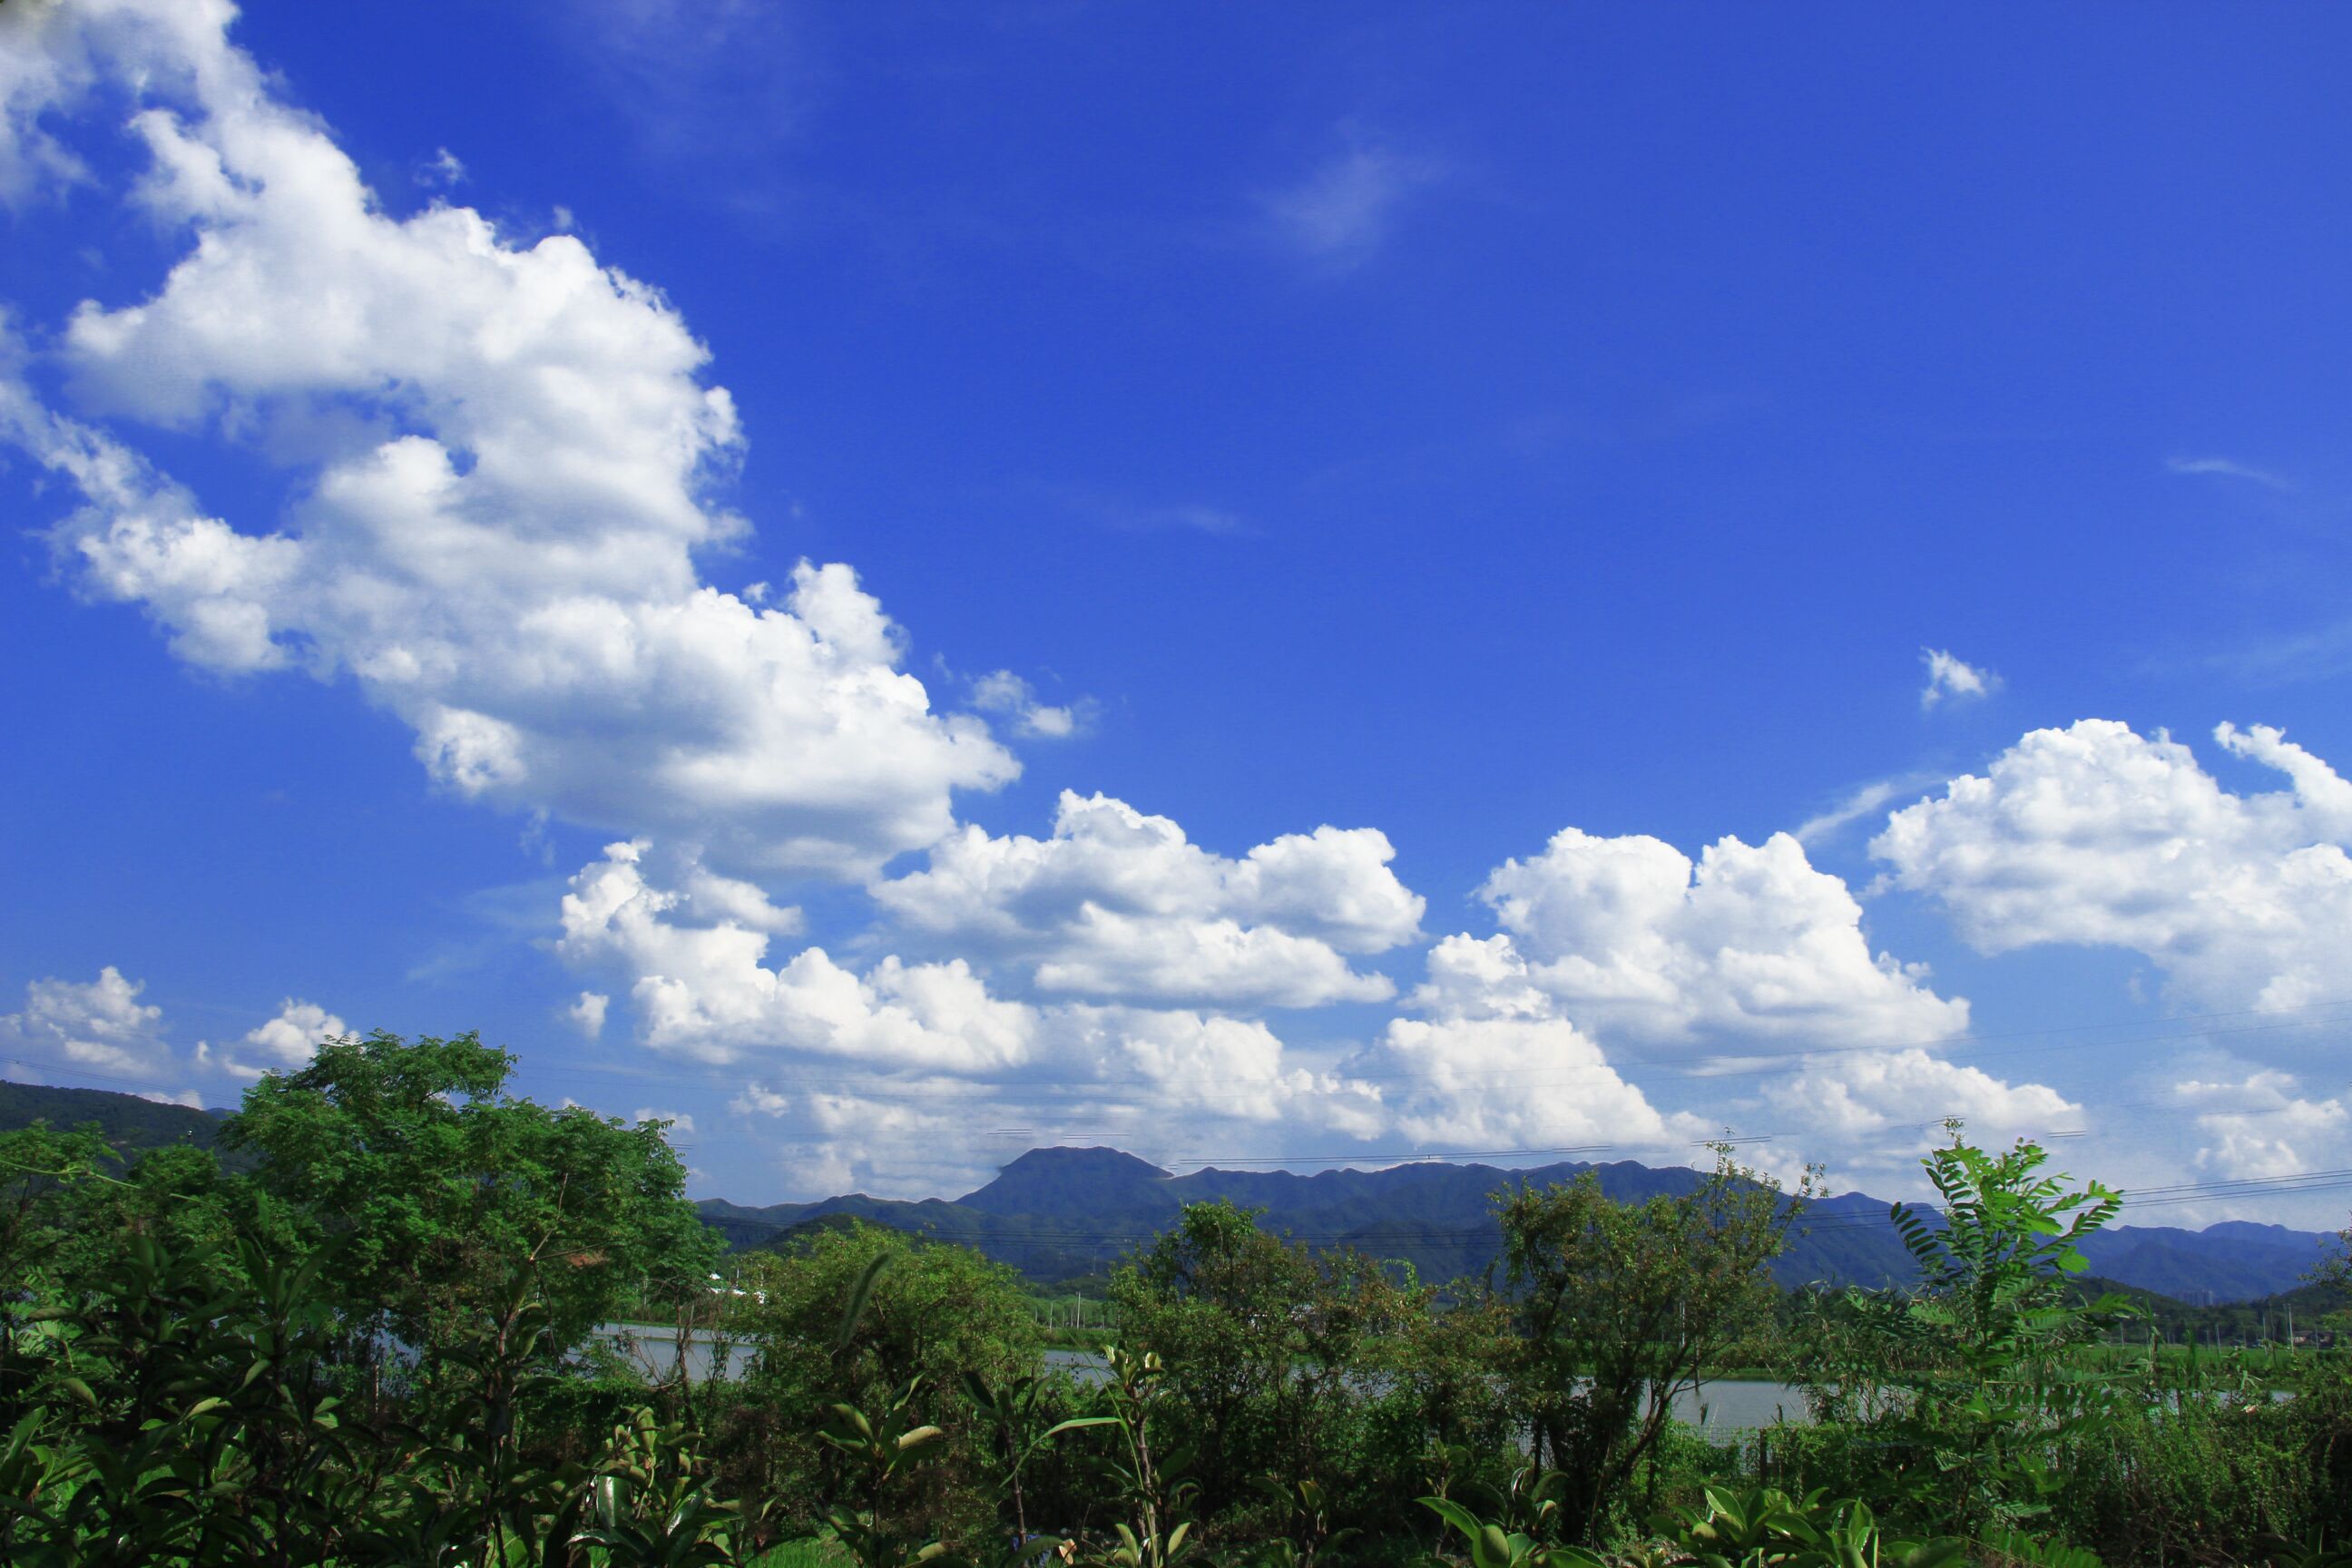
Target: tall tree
(436,1187)
(1619,1306)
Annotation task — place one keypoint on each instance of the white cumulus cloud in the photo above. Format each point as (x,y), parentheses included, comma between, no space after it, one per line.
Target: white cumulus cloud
(587,1014)
(99,1026)
(1857,1096)
(501,459)
(758,1099)
(2261,1126)
(1513,1082)
(1750,944)
(1621,951)
(1119,905)
(285,1043)
(701,987)
(2098,837)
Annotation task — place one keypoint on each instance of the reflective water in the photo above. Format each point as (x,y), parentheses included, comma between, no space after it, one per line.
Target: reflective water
(652,1350)
(1722,1405)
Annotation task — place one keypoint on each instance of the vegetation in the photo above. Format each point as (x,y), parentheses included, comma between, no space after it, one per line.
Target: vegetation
(367,1340)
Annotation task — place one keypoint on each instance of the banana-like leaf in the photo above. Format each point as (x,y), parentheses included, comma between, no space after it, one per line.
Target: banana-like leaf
(861,1295)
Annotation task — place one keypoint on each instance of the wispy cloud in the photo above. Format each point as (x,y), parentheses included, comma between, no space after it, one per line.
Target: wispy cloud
(704,81)
(1863,800)
(1953,679)
(443,171)
(2223,467)
(1346,207)
(1122,515)
(1199,518)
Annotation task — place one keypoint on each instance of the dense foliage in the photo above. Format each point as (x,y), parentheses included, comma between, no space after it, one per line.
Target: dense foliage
(371,1339)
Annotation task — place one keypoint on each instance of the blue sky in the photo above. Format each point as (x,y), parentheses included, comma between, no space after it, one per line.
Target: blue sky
(1501,465)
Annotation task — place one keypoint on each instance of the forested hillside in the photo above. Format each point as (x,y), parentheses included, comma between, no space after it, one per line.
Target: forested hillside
(126,1122)
(1061,1214)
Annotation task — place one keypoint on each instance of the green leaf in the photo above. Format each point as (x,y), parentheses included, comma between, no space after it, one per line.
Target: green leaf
(861,1295)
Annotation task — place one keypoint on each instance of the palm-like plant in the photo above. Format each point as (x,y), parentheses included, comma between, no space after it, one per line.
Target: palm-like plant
(1153,1536)
(1491,1545)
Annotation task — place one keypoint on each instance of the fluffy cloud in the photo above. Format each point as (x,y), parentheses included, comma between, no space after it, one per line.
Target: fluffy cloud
(2096,836)
(587,1014)
(1953,679)
(503,454)
(1514,1083)
(1856,1098)
(292,1038)
(1193,1062)
(701,989)
(902,1146)
(1635,942)
(99,1026)
(916,1058)
(284,1044)
(1494,1063)
(2261,1127)
(1117,904)
(1616,948)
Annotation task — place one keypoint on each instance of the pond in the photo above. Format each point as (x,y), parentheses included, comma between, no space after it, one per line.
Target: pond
(651,1349)
(1720,1404)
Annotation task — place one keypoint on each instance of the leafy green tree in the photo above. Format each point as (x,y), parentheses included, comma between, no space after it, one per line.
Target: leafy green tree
(1994,1393)
(933,1316)
(45,1178)
(44,1174)
(1619,1306)
(438,1187)
(1266,1348)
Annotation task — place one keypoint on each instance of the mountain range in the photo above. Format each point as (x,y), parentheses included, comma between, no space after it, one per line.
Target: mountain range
(1062,1214)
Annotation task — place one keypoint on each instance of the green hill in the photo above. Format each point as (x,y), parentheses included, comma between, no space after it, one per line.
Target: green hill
(127,1121)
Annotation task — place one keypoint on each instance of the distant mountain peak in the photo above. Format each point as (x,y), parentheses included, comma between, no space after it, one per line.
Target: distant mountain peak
(1063,1181)
(1097,1162)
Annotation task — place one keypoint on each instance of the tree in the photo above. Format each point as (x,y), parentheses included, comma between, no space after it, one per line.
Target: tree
(1991,1391)
(1266,1345)
(44,1174)
(437,1188)
(1619,1306)
(935,1315)
(2336,1268)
